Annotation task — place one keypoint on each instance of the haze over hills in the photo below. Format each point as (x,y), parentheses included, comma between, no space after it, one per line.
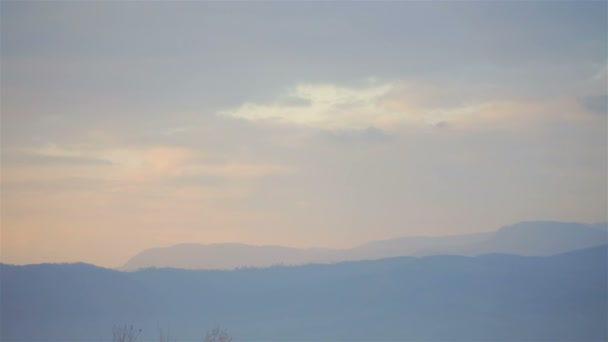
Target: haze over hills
(225,256)
(494,297)
(135,134)
(536,238)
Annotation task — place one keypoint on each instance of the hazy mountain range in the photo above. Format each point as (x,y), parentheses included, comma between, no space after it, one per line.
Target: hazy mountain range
(526,238)
(493,297)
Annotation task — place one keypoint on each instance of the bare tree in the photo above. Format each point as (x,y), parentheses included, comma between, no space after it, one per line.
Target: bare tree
(218,335)
(125,334)
(165,336)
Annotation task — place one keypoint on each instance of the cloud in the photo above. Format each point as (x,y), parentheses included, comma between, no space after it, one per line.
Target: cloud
(389,105)
(327,106)
(442,124)
(602,73)
(35,159)
(597,104)
(222,131)
(368,135)
(55,185)
(381,105)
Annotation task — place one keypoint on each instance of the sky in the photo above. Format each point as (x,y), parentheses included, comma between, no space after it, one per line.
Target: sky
(130,125)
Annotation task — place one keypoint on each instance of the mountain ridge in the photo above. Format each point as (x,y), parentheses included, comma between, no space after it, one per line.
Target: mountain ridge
(525,238)
(442,297)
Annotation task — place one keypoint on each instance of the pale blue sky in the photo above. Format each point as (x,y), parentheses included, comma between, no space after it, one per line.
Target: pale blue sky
(137,124)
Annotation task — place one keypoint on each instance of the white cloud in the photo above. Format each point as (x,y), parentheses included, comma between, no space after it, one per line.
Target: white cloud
(336,108)
(326,106)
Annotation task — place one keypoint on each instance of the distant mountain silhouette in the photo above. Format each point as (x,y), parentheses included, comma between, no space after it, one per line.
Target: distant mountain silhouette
(526,238)
(225,256)
(543,238)
(495,297)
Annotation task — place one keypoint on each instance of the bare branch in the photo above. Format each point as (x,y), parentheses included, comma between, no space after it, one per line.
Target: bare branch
(218,335)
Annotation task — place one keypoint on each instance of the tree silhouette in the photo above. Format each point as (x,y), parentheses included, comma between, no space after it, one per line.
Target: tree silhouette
(125,334)
(218,335)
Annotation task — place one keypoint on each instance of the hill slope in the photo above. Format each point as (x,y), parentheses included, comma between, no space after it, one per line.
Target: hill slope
(491,297)
(526,238)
